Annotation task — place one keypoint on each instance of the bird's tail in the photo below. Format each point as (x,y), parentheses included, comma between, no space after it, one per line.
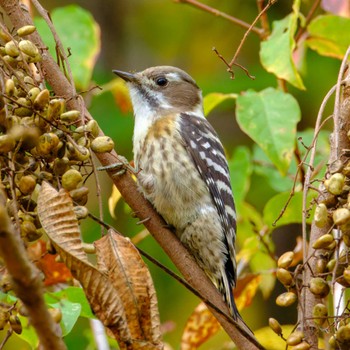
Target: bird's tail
(226,289)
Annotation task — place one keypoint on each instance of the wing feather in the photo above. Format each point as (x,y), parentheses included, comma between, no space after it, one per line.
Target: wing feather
(208,155)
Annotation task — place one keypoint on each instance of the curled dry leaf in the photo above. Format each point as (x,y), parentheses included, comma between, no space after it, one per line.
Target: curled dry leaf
(55,210)
(105,295)
(130,276)
(200,327)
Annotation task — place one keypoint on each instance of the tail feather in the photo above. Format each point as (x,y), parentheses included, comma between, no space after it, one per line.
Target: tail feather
(226,289)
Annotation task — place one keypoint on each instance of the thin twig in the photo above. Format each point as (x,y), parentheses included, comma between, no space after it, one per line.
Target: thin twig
(229,67)
(308,174)
(297,155)
(270,253)
(307,20)
(224,15)
(6,338)
(98,192)
(263,18)
(268,5)
(291,194)
(16,230)
(222,58)
(45,15)
(337,102)
(303,162)
(233,62)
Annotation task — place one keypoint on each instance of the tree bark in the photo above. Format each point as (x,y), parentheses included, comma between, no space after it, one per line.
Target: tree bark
(339,143)
(27,282)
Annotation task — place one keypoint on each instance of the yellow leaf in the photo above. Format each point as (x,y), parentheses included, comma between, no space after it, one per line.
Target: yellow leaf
(120,93)
(113,201)
(201,326)
(270,340)
(246,290)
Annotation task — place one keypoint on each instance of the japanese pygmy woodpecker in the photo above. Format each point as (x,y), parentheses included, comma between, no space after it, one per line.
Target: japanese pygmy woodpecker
(182,170)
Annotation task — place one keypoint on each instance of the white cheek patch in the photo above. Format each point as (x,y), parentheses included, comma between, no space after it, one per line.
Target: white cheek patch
(139,103)
(162,100)
(144,115)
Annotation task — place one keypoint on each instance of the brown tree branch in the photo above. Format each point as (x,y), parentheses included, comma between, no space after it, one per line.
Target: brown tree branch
(127,187)
(307,20)
(339,142)
(309,300)
(263,18)
(27,282)
(249,29)
(224,15)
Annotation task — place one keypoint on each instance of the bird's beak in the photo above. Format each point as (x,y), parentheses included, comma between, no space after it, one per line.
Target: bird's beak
(128,77)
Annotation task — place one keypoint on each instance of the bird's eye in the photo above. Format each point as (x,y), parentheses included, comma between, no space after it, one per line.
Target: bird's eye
(162,81)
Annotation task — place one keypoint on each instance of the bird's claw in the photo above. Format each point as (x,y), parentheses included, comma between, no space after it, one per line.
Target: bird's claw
(121,167)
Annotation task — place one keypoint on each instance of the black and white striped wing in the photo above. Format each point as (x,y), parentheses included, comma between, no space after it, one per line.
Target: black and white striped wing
(208,155)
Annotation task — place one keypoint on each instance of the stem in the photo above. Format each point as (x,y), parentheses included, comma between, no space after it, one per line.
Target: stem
(307,20)
(224,15)
(250,28)
(27,282)
(263,18)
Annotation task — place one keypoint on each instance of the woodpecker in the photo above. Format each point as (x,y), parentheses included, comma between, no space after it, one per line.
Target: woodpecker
(182,170)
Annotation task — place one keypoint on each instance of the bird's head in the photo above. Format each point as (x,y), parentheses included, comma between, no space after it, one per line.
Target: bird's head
(162,90)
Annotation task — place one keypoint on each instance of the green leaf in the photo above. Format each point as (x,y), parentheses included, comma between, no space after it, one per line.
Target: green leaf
(329,35)
(210,101)
(276,52)
(8,298)
(80,33)
(264,167)
(262,263)
(270,117)
(28,333)
(70,314)
(250,224)
(294,211)
(74,295)
(240,166)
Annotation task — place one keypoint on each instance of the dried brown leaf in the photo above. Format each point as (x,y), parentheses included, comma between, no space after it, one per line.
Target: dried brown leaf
(130,276)
(200,327)
(106,297)
(57,217)
(53,270)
